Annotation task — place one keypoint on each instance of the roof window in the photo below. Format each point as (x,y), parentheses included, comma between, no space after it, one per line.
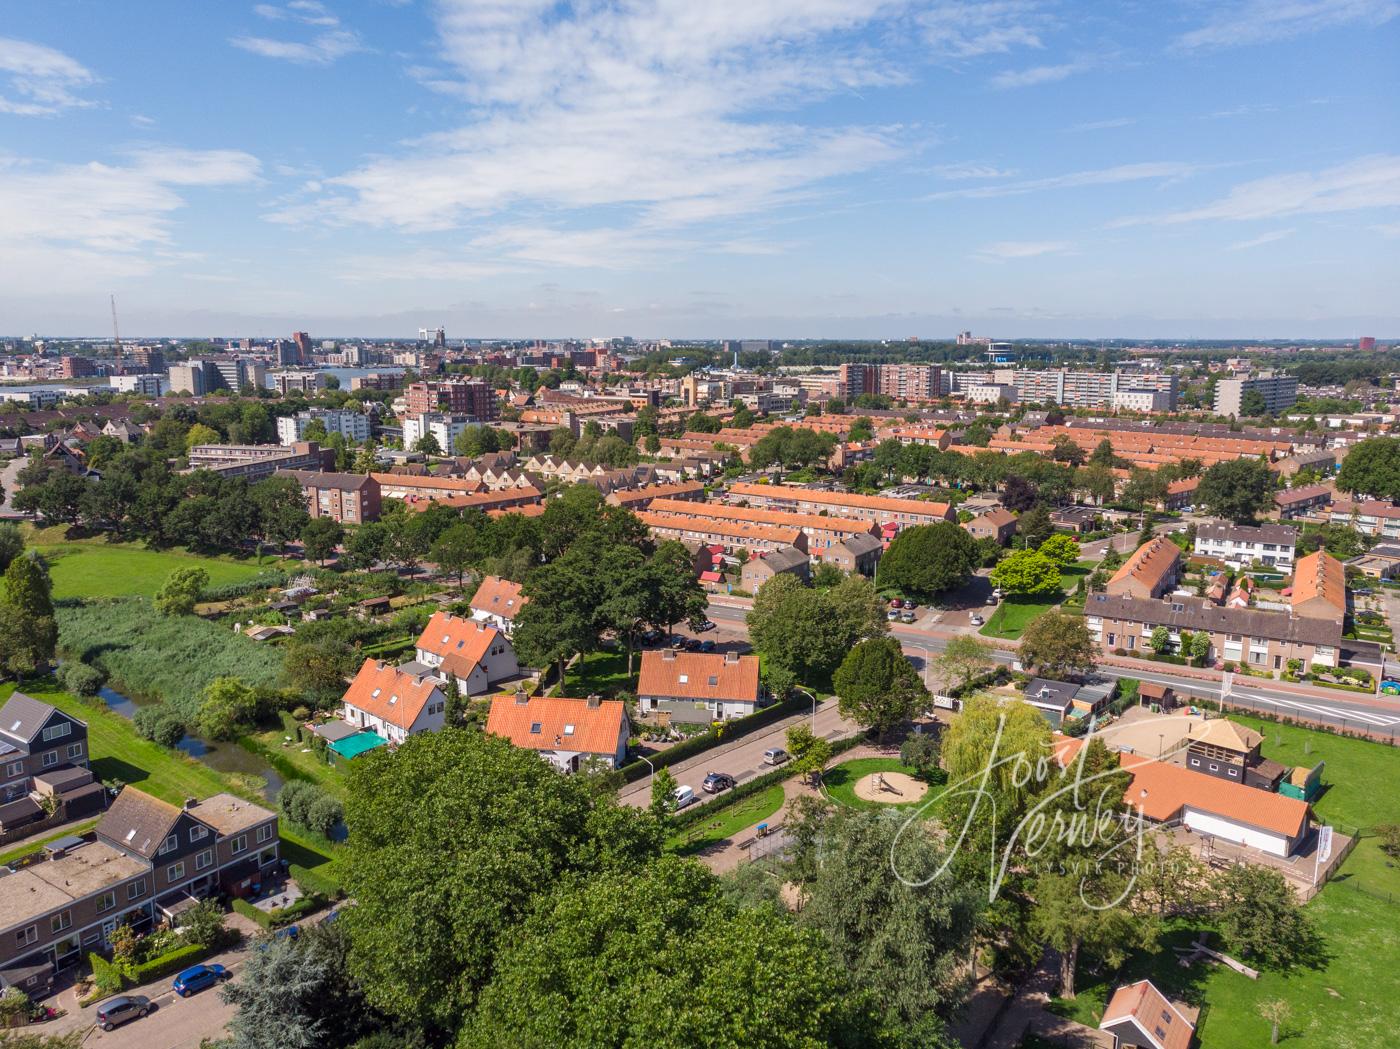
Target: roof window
(568,730)
(535,728)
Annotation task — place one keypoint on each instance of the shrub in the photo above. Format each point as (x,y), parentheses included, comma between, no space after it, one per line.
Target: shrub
(323,814)
(307,805)
(14,1006)
(204,924)
(160,724)
(167,963)
(920,752)
(81,678)
(228,706)
(106,976)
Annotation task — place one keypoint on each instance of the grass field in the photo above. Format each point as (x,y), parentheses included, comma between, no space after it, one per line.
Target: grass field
(1015,613)
(116,752)
(100,569)
(292,763)
(840,782)
(1354,1000)
(728,821)
(602,673)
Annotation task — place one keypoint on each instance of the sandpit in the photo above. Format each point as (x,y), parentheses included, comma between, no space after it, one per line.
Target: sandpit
(890,788)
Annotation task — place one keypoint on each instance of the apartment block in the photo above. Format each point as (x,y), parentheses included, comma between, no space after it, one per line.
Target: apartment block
(350,499)
(476,399)
(353,426)
(1240,545)
(1279,393)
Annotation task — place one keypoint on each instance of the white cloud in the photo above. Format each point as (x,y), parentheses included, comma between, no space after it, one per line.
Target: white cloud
(1163,170)
(323,48)
(660,112)
(1262,239)
(1004,250)
(956,172)
(958,30)
(1248,109)
(1101,125)
(39,81)
(1014,78)
(1263,21)
(1364,183)
(70,220)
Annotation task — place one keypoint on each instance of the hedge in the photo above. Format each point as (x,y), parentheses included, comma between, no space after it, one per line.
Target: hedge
(282,916)
(169,962)
(702,742)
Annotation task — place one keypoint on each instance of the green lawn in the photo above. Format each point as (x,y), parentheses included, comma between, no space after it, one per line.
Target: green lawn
(728,821)
(118,753)
(840,782)
(121,570)
(1015,612)
(602,673)
(1352,1001)
(292,763)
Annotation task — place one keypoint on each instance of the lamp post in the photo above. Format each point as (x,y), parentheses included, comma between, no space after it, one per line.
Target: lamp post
(651,777)
(814,705)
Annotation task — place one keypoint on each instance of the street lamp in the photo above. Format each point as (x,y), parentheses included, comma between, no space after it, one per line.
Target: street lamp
(651,778)
(814,705)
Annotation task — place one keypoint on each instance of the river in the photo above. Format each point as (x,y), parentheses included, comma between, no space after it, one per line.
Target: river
(225,757)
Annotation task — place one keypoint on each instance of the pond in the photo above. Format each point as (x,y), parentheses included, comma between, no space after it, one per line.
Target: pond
(225,757)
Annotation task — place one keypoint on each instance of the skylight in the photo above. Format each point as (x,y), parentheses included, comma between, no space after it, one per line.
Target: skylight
(568,730)
(535,727)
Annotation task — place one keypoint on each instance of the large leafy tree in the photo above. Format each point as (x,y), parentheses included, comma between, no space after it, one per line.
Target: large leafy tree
(1237,489)
(180,591)
(965,657)
(929,559)
(898,931)
(1261,918)
(28,631)
(452,841)
(1057,644)
(1372,467)
(1027,572)
(320,536)
(281,509)
(808,632)
(877,687)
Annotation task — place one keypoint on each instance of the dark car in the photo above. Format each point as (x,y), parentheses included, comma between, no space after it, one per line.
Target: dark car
(290,932)
(119,1010)
(197,977)
(678,641)
(716,782)
(707,646)
(692,644)
(652,637)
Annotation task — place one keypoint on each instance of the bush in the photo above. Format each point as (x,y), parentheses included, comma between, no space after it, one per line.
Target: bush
(81,678)
(204,924)
(323,814)
(160,724)
(307,805)
(920,752)
(106,976)
(167,963)
(261,581)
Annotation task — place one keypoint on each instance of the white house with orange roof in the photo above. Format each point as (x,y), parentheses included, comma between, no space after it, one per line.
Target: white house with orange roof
(393,703)
(565,732)
(474,652)
(498,601)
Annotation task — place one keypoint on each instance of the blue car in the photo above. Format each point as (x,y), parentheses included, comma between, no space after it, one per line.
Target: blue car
(197,977)
(290,932)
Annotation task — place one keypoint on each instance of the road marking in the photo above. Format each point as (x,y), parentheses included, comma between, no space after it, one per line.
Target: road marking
(1350,713)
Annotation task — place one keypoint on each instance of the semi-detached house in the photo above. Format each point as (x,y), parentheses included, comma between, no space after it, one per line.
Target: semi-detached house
(474,652)
(392,702)
(698,686)
(564,731)
(1239,546)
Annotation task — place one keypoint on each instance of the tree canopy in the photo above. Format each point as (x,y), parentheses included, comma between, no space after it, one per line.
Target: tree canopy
(928,559)
(877,687)
(1372,467)
(1237,489)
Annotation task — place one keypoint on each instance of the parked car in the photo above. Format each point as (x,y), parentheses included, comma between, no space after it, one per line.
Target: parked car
(693,644)
(198,977)
(716,782)
(707,646)
(775,756)
(892,614)
(975,619)
(704,626)
(684,796)
(677,641)
(122,1009)
(906,616)
(652,637)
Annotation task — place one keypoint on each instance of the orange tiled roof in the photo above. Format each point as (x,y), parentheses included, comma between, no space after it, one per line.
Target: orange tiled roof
(384,691)
(1320,575)
(460,642)
(777,518)
(698,675)
(499,597)
(839,499)
(737,530)
(563,724)
(1153,1012)
(1150,562)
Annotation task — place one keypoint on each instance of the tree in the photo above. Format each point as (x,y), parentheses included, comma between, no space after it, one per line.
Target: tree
(11,544)
(159,723)
(594,950)
(180,591)
(800,630)
(1027,572)
(298,994)
(1160,639)
(366,459)
(920,752)
(452,841)
(1274,1010)
(454,550)
(877,686)
(1062,549)
(928,559)
(320,537)
(281,509)
(1237,489)
(227,707)
(1066,450)
(318,666)
(1019,494)
(475,441)
(1261,918)
(28,629)
(427,445)
(366,545)
(200,434)
(663,794)
(965,657)
(899,943)
(810,752)
(1063,919)
(1372,467)
(1096,481)
(1058,644)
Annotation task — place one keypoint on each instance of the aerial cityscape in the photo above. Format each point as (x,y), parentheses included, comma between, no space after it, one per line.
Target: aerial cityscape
(630,524)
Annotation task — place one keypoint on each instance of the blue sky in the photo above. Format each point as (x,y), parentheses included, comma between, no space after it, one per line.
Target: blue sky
(731,168)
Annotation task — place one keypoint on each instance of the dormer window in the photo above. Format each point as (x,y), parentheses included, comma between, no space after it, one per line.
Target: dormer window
(170,844)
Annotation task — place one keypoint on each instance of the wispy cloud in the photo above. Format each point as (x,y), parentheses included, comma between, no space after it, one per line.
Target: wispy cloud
(1101,125)
(1262,239)
(1004,250)
(1014,78)
(39,81)
(959,30)
(1364,183)
(333,41)
(955,172)
(655,116)
(1162,170)
(1262,21)
(1247,109)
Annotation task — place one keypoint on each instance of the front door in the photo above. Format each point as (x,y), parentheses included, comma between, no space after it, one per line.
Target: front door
(108,927)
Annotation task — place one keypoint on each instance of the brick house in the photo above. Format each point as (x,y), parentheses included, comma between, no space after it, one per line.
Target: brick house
(698,686)
(859,554)
(36,737)
(1151,571)
(350,499)
(758,570)
(1319,588)
(998,524)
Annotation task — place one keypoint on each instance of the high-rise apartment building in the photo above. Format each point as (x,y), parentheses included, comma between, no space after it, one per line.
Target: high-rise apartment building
(302,341)
(903,382)
(1276,392)
(476,399)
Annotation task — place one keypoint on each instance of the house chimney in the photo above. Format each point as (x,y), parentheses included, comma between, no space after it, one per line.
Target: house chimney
(594,701)
(668,655)
(520,697)
(731,657)
(191,802)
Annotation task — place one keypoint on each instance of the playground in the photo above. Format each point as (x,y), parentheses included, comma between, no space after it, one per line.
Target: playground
(890,788)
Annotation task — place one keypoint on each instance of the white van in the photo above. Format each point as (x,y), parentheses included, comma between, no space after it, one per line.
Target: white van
(684,796)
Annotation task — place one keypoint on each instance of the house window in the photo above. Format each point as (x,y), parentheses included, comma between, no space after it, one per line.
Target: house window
(1214,767)
(75,750)
(106,902)
(264,832)
(535,728)
(239,844)
(170,844)
(27,936)
(50,758)
(198,833)
(57,731)
(174,872)
(61,921)
(204,859)
(14,768)
(1112,640)
(1132,642)
(136,889)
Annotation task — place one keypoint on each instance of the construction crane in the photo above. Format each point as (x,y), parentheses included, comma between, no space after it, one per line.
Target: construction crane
(116,337)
